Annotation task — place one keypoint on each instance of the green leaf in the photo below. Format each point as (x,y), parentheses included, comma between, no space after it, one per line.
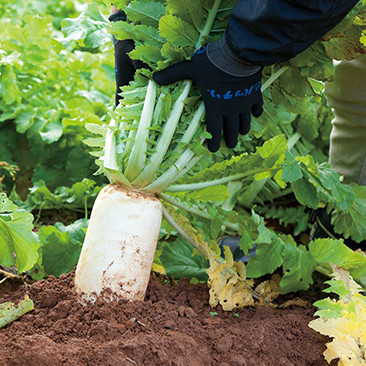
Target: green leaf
(60,247)
(330,180)
(352,222)
(288,216)
(179,261)
(89,26)
(298,266)
(330,250)
(305,193)
(296,84)
(24,120)
(121,30)
(18,243)
(6,205)
(9,90)
(291,169)
(190,11)
(146,12)
(328,308)
(267,259)
(178,32)
(210,194)
(119,4)
(325,251)
(76,230)
(264,234)
(172,54)
(80,195)
(147,35)
(273,150)
(346,47)
(51,132)
(149,54)
(10,312)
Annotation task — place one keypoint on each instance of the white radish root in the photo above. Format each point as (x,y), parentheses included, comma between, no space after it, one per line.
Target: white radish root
(118,251)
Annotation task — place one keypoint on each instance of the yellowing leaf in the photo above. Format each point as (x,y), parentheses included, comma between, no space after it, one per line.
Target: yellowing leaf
(227,289)
(158,268)
(346,349)
(347,328)
(345,345)
(9,312)
(268,290)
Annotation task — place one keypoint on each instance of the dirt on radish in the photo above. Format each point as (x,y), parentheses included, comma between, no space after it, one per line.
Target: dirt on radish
(173,326)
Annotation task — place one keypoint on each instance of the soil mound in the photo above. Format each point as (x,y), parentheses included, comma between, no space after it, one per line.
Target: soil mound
(173,326)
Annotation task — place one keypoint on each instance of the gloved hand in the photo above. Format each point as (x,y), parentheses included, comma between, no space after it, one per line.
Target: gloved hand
(124,68)
(230,91)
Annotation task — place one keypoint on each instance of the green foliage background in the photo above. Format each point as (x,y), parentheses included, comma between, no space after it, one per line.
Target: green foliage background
(49,88)
(57,74)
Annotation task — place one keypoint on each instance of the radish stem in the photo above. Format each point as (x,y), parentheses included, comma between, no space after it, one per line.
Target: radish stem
(197,211)
(138,154)
(147,175)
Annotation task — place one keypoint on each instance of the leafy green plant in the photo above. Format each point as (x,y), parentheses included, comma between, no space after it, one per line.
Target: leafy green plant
(155,141)
(47,92)
(150,142)
(18,243)
(59,249)
(227,193)
(51,250)
(79,197)
(180,261)
(7,171)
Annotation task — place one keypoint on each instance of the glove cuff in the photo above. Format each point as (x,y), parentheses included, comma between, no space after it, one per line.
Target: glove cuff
(220,54)
(120,15)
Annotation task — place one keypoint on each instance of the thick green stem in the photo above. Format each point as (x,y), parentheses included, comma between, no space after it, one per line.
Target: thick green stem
(131,136)
(188,167)
(197,211)
(159,184)
(194,124)
(202,185)
(293,140)
(158,108)
(274,77)
(215,182)
(137,158)
(185,156)
(181,232)
(209,22)
(148,173)
(147,176)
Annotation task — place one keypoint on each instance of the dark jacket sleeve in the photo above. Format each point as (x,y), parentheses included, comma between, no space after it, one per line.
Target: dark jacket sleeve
(264,32)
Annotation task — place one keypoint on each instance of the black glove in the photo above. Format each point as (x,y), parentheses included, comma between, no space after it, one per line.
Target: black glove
(230,98)
(124,68)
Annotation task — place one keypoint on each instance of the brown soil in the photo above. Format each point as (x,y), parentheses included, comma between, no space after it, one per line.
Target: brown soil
(173,326)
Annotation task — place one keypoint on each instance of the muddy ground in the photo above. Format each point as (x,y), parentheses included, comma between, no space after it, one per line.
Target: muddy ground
(173,326)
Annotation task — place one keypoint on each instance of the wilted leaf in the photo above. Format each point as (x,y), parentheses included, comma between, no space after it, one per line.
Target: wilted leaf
(10,312)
